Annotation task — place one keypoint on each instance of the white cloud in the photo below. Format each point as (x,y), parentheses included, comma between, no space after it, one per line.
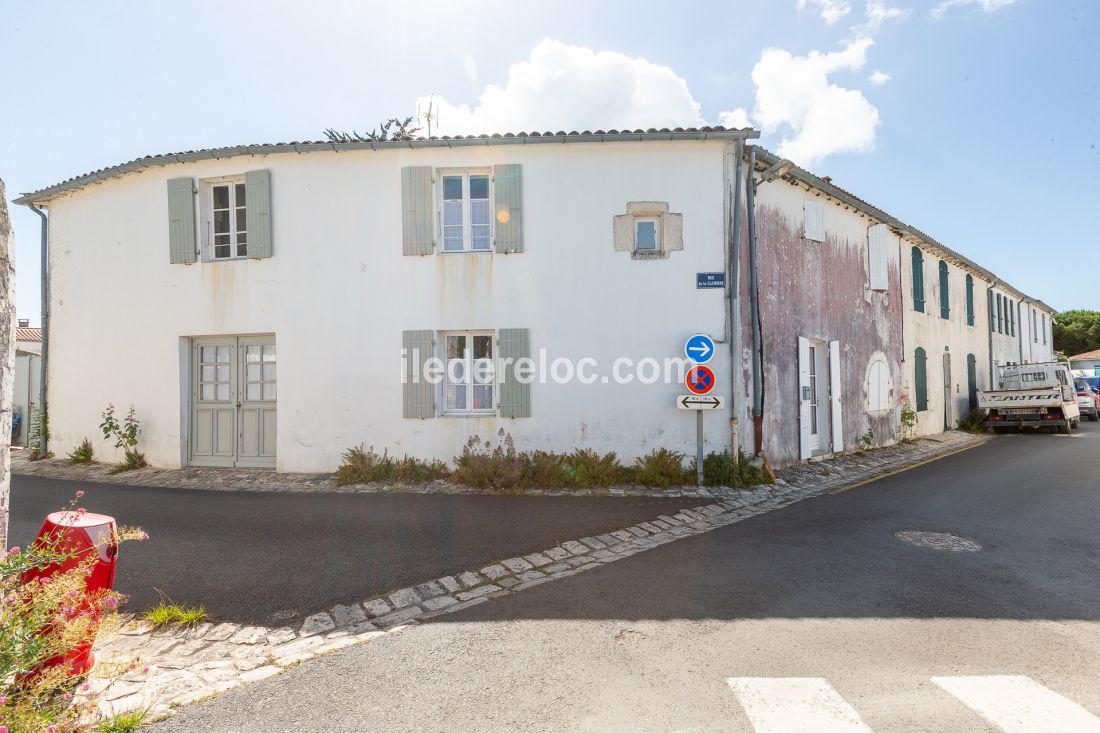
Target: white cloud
(987,6)
(817,118)
(831,10)
(564,87)
(737,118)
(878,78)
(877,13)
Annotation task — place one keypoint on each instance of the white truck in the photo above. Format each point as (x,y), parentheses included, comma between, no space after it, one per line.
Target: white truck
(1031,396)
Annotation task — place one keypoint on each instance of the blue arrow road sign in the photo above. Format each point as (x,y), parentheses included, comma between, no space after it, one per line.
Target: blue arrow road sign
(699,348)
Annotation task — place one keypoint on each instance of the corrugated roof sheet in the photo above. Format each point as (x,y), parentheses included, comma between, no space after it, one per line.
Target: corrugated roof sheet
(509,138)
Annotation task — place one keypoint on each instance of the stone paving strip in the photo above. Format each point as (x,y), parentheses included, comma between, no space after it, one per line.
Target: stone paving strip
(186,665)
(220,479)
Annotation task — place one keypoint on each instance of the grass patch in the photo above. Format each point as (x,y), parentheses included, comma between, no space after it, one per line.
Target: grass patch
(172,614)
(132,459)
(82,453)
(363,465)
(123,722)
(502,468)
(972,423)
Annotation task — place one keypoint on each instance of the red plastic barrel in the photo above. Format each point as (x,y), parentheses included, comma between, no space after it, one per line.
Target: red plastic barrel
(82,534)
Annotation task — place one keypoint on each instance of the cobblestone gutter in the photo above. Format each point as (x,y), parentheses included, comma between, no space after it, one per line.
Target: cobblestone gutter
(190,664)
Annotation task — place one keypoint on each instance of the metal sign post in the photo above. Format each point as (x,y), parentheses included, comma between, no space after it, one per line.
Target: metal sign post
(699,380)
(699,448)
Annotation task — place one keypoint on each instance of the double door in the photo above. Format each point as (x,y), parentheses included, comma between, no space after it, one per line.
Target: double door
(233,399)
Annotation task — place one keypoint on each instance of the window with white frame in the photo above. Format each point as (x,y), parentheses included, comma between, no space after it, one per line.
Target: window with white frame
(228,223)
(647,235)
(469,372)
(466,212)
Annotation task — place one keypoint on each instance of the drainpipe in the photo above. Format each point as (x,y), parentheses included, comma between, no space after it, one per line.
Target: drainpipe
(43,447)
(757,356)
(989,327)
(733,292)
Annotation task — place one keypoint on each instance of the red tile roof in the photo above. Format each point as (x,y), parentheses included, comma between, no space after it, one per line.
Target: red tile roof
(1094,354)
(28,334)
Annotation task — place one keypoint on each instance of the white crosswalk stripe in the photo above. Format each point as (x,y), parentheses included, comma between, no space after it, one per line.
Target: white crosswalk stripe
(1011,703)
(1018,704)
(795,705)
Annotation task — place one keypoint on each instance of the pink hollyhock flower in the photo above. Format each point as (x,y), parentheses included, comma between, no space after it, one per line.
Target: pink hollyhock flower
(110,602)
(85,687)
(51,728)
(14,551)
(79,493)
(81,510)
(3,729)
(145,669)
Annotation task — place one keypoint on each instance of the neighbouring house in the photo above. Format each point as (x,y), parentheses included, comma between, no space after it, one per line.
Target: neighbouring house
(273,305)
(1086,364)
(28,378)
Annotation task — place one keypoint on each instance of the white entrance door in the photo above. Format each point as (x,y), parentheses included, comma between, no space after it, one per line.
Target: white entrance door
(233,402)
(819,397)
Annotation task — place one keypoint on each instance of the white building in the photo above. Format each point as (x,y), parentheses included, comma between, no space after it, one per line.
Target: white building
(274,305)
(28,378)
(253,303)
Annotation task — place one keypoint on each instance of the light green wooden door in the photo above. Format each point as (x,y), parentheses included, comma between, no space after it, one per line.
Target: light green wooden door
(256,370)
(213,402)
(233,398)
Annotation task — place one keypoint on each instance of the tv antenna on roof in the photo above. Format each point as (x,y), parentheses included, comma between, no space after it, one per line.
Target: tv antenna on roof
(429,115)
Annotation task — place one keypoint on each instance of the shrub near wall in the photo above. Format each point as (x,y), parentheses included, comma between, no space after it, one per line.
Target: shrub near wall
(502,468)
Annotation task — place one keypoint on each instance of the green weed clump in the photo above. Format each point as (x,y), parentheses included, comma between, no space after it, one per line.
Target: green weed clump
(127,722)
(364,465)
(500,467)
(171,614)
(972,423)
(82,453)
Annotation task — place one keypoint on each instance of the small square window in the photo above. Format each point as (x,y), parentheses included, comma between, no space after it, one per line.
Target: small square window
(647,237)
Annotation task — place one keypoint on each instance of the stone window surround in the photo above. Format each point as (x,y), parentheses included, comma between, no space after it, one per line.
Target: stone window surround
(670,237)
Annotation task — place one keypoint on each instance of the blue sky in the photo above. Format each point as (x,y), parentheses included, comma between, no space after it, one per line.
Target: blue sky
(984,134)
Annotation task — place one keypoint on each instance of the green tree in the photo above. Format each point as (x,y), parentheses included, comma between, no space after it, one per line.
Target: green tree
(1077,331)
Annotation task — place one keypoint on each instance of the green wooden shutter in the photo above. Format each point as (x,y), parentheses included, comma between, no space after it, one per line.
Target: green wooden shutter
(508,207)
(969,300)
(417,237)
(417,393)
(920,373)
(257,196)
(945,293)
(515,398)
(918,280)
(181,221)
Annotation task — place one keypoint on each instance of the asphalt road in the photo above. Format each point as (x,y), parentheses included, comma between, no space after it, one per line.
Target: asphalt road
(821,589)
(272,558)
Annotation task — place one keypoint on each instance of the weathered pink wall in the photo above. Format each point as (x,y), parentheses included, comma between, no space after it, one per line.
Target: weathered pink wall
(818,290)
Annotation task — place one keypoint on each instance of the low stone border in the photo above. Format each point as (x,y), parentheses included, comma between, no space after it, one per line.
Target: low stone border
(186,665)
(221,479)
